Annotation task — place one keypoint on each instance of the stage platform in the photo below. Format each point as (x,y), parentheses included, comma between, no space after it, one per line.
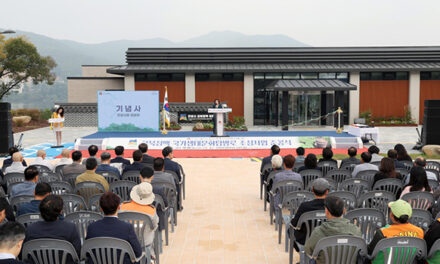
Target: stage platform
(237,144)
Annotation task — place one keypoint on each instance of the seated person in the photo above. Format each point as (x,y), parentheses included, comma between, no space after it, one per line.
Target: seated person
(105,164)
(6,211)
(352,152)
(402,154)
(274,150)
(374,151)
(386,170)
(277,165)
(327,155)
(76,166)
(320,188)
(11,240)
(392,154)
(137,165)
(286,174)
(41,160)
(169,164)
(400,213)
(42,190)
(310,163)
(418,182)
(365,164)
(147,159)
(335,225)
(91,176)
(7,162)
(111,226)
(432,235)
(52,227)
(119,151)
(421,162)
(300,155)
(16,165)
(93,149)
(160,175)
(142,198)
(65,158)
(31,176)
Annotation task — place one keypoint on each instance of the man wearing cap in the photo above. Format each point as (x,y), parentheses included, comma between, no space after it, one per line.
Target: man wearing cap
(105,165)
(142,198)
(400,213)
(335,225)
(320,189)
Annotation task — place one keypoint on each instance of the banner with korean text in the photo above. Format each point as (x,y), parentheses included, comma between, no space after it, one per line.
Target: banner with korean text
(128,111)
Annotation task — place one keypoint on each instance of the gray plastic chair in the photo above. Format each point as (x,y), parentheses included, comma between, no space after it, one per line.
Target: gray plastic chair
(333,185)
(356,186)
(2,192)
(102,250)
(263,176)
(71,178)
(171,195)
(282,188)
(16,201)
(378,200)
(340,249)
(60,187)
(400,250)
(179,184)
(49,177)
(368,220)
(311,220)
(367,175)
(403,172)
(327,166)
(435,248)
(391,185)
(72,203)
(13,177)
(182,173)
(433,184)
(87,189)
(122,188)
(349,166)
(310,175)
(163,217)
(140,222)
(132,176)
(291,201)
(421,218)
(419,200)
(377,163)
(266,184)
(59,169)
(432,165)
(297,166)
(408,164)
(109,176)
(82,220)
(49,251)
(94,203)
(349,198)
(42,168)
(436,172)
(28,219)
(339,175)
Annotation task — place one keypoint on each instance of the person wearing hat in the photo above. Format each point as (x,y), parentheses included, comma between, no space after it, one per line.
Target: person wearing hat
(142,198)
(400,213)
(320,188)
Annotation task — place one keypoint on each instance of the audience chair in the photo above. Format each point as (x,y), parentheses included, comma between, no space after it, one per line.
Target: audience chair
(368,220)
(367,175)
(349,166)
(49,177)
(309,176)
(408,164)
(403,172)
(59,169)
(436,172)
(419,200)
(421,218)
(282,188)
(432,165)
(109,176)
(11,185)
(72,203)
(266,184)
(400,250)
(179,183)
(349,198)
(132,176)
(263,176)
(311,220)
(297,166)
(49,251)
(378,200)
(16,201)
(60,187)
(377,163)
(163,216)
(88,188)
(356,186)
(82,220)
(71,178)
(13,177)
(391,185)
(340,249)
(182,172)
(107,250)
(2,192)
(333,185)
(338,175)
(171,196)
(434,251)
(433,184)
(122,188)
(42,168)
(28,219)
(291,202)
(94,203)
(327,166)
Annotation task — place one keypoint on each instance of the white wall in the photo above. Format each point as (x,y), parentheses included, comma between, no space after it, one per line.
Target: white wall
(190,88)
(249,98)
(129,82)
(414,95)
(354,97)
(84,90)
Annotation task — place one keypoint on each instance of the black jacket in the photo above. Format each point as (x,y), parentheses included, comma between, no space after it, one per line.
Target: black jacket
(147,159)
(120,160)
(136,166)
(316,204)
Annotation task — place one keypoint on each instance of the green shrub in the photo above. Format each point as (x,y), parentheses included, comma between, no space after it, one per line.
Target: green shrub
(45,114)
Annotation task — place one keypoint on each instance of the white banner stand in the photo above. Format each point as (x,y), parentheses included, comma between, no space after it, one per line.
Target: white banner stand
(219,112)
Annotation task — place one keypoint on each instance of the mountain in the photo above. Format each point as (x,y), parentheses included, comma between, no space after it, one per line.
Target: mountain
(70,55)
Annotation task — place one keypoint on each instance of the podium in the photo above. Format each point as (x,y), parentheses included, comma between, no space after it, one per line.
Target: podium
(219,113)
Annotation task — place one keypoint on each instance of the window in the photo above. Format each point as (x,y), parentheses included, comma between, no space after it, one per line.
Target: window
(376,76)
(273,76)
(309,76)
(159,77)
(258,76)
(220,77)
(425,75)
(435,75)
(327,75)
(342,75)
(365,76)
(291,75)
(389,76)
(402,76)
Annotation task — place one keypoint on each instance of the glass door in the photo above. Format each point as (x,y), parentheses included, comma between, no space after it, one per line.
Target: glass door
(305,106)
(271,101)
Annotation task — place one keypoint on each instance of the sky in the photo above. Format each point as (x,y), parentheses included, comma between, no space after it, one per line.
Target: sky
(315,22)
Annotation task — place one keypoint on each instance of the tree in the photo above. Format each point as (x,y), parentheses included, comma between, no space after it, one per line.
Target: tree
(20,62)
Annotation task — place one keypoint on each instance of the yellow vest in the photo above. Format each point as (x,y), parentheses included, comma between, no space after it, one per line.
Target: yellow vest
(52,125)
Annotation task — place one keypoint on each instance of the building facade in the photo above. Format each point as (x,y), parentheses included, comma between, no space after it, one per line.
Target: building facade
(277,86)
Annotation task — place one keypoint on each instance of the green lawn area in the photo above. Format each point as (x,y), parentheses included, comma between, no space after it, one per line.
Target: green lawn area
(413,156)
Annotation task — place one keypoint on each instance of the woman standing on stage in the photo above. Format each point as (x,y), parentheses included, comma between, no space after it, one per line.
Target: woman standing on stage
(217,104)
(57,127)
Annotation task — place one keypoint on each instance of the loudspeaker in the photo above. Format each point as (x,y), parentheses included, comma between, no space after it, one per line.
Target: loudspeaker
(6,136)
(431,123)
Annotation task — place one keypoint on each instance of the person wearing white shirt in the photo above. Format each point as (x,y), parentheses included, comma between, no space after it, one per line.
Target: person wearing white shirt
(65,158)
(16,166)
(41,159)
(374,151)
(365,164)
(12,235)
(421,162)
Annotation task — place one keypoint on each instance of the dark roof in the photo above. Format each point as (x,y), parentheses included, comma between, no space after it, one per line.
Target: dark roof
(310,85)
(277,67)
(96,78)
